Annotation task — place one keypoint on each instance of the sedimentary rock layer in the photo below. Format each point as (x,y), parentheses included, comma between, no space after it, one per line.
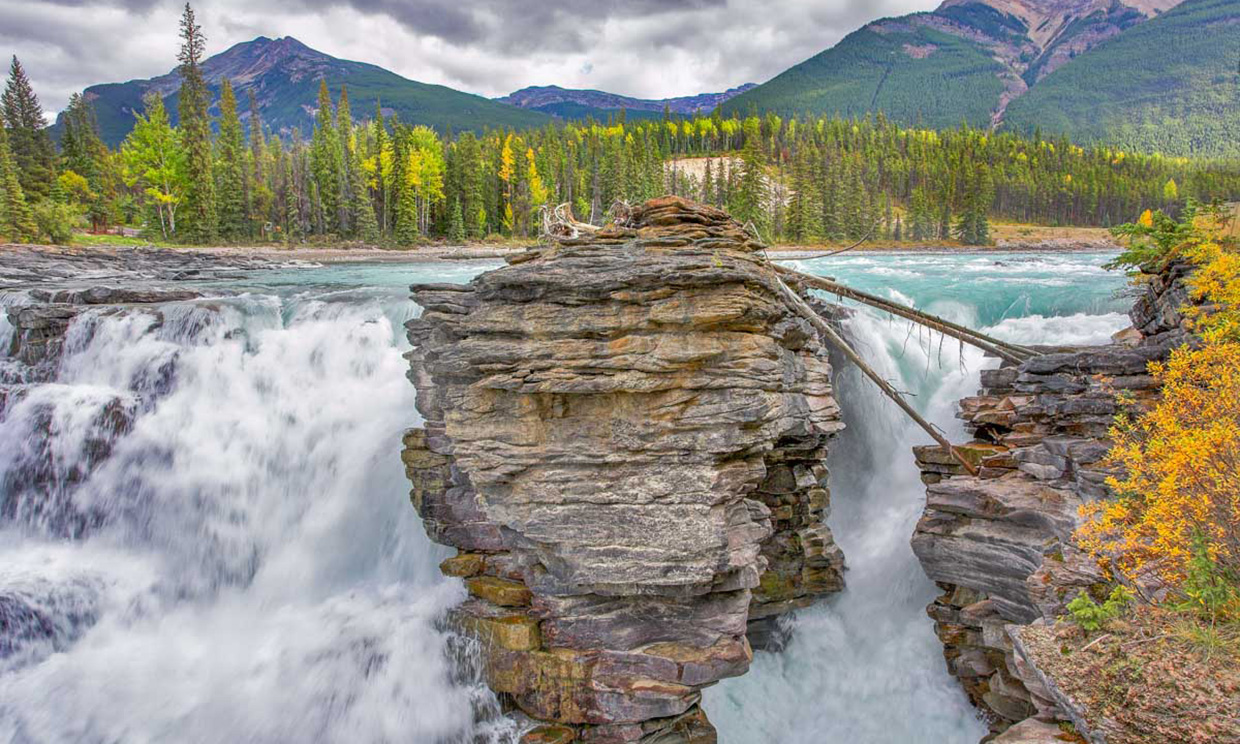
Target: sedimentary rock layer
(1000,544)
(623,438)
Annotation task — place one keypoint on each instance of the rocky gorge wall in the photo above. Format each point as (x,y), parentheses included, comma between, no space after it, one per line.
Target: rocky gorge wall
(1000,544)
(623,438)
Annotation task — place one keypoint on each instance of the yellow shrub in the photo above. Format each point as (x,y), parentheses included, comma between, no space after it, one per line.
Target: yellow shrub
(1181,459)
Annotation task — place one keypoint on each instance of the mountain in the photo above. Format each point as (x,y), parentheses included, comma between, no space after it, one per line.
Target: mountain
(966,61)
(578,104)
(284,75)
(1170,85)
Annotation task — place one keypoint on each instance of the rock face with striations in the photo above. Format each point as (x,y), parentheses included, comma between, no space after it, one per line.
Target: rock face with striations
(1000,544)
(623,438)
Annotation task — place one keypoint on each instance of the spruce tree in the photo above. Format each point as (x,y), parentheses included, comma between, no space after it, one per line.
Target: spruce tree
(195,126)
(229,169)
(83,153)
(407,216)
(749,200)
(325,163)
(258,206)
(346,212)
(16,219)
(456,223)
(33,153)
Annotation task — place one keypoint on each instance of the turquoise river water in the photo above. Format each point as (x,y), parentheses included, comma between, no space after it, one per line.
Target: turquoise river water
(239,562)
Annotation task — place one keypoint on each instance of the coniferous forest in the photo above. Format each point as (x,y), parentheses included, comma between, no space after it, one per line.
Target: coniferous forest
(357,176)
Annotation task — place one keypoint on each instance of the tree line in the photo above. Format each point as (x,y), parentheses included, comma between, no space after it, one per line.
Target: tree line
(370,178)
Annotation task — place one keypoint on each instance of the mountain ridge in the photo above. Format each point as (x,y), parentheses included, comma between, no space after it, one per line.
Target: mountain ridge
(987,52)
(548,97)
(284,74)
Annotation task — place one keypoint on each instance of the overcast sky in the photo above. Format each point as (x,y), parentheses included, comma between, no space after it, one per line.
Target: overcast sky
(645,48)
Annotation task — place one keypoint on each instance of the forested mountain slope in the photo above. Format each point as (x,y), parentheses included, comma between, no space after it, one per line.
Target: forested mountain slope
(1171,85)
(966,61)
(284,75)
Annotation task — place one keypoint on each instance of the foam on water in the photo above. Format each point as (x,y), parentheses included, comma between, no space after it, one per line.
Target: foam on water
(251,569)
(208,536)
(865,666)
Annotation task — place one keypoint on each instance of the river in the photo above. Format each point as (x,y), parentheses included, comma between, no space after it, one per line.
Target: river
(206,534)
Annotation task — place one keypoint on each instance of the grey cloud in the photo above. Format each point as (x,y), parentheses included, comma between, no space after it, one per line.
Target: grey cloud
(651,48)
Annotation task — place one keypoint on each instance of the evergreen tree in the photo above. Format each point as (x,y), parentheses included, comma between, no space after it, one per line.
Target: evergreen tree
(748,201)
(346,213)
(33,153)
(456,223)
(407,216)
(260,192)
(230,168)
(85,159)
(195,128)
(16,219)
(325,162)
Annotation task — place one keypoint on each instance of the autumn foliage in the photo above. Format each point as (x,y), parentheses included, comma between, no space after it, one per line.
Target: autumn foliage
(1178,497)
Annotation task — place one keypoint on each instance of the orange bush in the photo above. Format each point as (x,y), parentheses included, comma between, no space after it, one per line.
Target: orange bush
(1180,487)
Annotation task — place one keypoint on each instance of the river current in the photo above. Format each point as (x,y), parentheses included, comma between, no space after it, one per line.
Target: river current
(206,533)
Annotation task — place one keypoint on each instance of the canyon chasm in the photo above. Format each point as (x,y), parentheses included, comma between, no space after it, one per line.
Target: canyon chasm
(624,437)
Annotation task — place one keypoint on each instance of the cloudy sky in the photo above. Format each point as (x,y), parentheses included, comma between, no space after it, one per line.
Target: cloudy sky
(646,48)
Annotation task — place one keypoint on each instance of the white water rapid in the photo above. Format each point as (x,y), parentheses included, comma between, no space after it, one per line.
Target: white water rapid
(243,565)
(205,532)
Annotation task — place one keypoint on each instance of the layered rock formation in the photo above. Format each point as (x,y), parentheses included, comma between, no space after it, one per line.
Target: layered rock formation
(999,544)
(623,438)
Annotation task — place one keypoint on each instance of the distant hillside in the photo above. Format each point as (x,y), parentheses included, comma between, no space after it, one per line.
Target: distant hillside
(965,61)
(284,75)
(1171,85)
(579,104)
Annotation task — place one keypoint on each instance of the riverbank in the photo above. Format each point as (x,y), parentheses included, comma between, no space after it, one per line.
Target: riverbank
(483,251)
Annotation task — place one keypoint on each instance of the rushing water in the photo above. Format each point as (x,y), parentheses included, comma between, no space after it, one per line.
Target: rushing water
(209,537)
(865,666)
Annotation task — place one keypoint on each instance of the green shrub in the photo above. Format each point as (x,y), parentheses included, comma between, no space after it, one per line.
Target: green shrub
(56,220)
(1091,616)
(1210,590)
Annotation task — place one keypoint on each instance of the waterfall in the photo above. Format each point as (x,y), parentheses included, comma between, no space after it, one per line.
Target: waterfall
(205,532)
(865,666)
(205,535)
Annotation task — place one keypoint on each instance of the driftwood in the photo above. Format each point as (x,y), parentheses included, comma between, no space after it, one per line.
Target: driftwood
(560,223)
(1002,349)
(833,338)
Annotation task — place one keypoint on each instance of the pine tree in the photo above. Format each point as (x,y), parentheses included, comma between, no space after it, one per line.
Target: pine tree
(16,219)
(230,168)
(259,205)
(346,213)
(407,216)
(195,128)
(325,162)
(33,153)
(472,185)
(456,223)
(748,201)
(84,155)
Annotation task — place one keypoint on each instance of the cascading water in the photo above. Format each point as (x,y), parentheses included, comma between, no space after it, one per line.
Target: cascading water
(866,666)
(205,534)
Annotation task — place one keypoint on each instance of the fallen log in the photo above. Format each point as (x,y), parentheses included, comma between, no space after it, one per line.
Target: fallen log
(1002,349)
(833,338)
